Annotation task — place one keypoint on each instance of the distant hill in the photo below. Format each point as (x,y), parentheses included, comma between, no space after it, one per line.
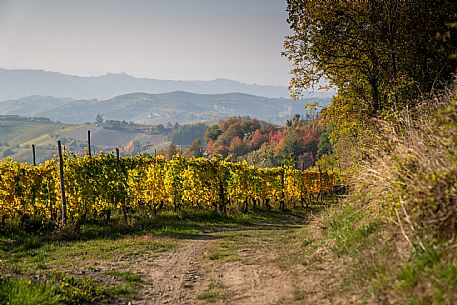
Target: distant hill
(20,83)
(153,109)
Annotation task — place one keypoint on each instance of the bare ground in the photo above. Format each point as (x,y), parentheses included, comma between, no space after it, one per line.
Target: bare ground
(244,266)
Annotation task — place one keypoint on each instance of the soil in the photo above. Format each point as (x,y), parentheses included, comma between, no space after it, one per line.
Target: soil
(260,273)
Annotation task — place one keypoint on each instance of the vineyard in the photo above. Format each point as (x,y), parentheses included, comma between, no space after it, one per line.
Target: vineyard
(105,185)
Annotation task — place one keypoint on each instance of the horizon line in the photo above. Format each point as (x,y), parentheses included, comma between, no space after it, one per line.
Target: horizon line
(137,76)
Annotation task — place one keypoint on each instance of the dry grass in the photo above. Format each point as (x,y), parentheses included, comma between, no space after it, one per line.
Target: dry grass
(410,169)
(405,171)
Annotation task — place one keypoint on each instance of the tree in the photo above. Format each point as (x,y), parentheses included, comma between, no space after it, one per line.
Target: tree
(185,134)
(237,147)
(258,138)
(195,148)
(212,133)
(99,118)
(296,121)
(160,128)
(378,53)
(172,150)
(324,147)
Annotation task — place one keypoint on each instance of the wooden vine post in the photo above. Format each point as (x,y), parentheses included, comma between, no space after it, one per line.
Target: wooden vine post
(282,203)
(88,143)
(34,154)
(62,184)
(118,159)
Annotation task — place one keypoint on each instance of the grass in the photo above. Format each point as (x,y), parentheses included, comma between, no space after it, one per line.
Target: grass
(434,271)
(211,296)
(53,288)
(363,243)
(262,229)
(54,263)
(377,263)
(64,255)
(126,276)
(351,228)
(214,293)
(411,175)
(15,291)
(225,252)
(95,265)
(127,283)
(88,254)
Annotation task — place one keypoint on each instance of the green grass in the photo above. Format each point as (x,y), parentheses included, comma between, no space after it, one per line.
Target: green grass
(53,288)
(351,228)
(126,276)
(66,254)
(211,296)
(129,283)
(225,251)
(433,270)
(16,291)
(52,263)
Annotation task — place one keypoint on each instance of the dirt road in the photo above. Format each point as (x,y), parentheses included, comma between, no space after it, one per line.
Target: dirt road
(270,263)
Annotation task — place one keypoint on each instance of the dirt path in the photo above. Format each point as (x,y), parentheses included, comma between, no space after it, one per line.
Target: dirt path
(240,266)
(170,278)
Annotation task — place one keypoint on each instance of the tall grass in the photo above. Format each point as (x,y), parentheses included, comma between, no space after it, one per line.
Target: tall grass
(410,170)
(405,170)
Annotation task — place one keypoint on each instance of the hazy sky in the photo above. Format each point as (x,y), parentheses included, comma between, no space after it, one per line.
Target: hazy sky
(166,39)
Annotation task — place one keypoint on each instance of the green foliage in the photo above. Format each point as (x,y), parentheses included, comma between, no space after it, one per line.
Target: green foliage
(212,133)
(324,147)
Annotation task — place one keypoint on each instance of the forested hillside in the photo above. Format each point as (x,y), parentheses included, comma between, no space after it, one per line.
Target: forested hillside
(299,143)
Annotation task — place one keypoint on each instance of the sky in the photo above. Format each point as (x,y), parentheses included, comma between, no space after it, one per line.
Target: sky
(162,39)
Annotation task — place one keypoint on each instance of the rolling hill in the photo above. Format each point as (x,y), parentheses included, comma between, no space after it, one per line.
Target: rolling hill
(152,109)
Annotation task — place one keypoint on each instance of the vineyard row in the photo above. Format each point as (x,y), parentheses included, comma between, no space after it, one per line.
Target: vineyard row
(100,186)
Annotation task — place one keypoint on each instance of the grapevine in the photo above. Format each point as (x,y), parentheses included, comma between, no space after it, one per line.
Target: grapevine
(100,186)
